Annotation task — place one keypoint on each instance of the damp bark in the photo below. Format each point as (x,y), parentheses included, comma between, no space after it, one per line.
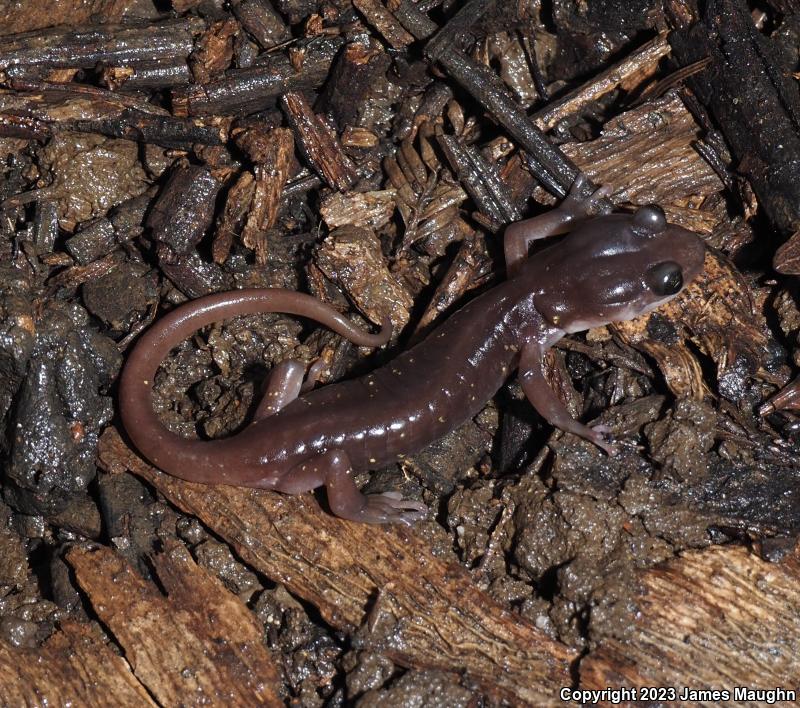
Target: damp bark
(372,155)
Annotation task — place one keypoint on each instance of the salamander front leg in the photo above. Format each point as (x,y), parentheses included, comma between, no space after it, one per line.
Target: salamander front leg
(548,404)
(519,236)
(333,470)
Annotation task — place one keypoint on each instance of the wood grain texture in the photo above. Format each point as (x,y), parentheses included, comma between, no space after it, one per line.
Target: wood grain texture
(716,618)
(633,70)
(417,609)
(315,141)
(73,667)
(647,155)
(200,641)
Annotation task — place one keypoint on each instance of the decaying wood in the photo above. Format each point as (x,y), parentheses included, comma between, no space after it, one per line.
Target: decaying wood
(237,204)
(787,257)
(458,26)
(77,274)
(258,87)
(649,155)
(351,86)
(359,138)
(717,618)
(147,75)
(370,209)
(469,269)
(382,586)
(483,84)
(262,22)
(480,180)
(351,257)
(93,241)
(183,211)
(630,72)
(432,614)
(712,314)
(430,108)
(194,277)
(513,56)
(199,641)
(180,217)
(16,16)
(264,199)
(646,155)
(383,21)
(272,152)
(428,198)
(748,89)
(43,110)
(73,667)
(109,44)
(319,146)
(213,50)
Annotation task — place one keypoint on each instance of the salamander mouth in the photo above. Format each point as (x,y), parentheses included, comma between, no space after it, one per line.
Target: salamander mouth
(623,315)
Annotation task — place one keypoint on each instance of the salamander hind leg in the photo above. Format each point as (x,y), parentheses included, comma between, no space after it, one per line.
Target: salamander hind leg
(333,470)
(314,372)
(284,384)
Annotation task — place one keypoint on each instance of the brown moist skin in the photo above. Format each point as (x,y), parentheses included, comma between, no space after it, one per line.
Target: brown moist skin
(609,268)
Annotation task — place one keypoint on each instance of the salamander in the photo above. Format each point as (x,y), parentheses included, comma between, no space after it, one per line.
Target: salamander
(607,268)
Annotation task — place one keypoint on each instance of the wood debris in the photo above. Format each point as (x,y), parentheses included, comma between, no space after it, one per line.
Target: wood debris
(424,613)
(695,634)
(372,153)
(74,666)
(174,644)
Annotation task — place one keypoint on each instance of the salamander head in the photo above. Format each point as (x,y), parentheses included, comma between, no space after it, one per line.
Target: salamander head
(615,267)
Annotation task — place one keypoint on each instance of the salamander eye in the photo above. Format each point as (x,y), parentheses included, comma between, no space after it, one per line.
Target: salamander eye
(665,278)
(650,218)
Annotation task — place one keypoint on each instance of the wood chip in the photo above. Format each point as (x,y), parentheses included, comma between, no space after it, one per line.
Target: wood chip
(317,143)
(256,88)
(253,235)
(469,269)
(628,73)
(18,16)
(273,152)
(262,22)
(646,154)
(237,205)
(787,257)
(199,641)
(371,209)
(384,21)
(213,51)
(359,138)
(352,258)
